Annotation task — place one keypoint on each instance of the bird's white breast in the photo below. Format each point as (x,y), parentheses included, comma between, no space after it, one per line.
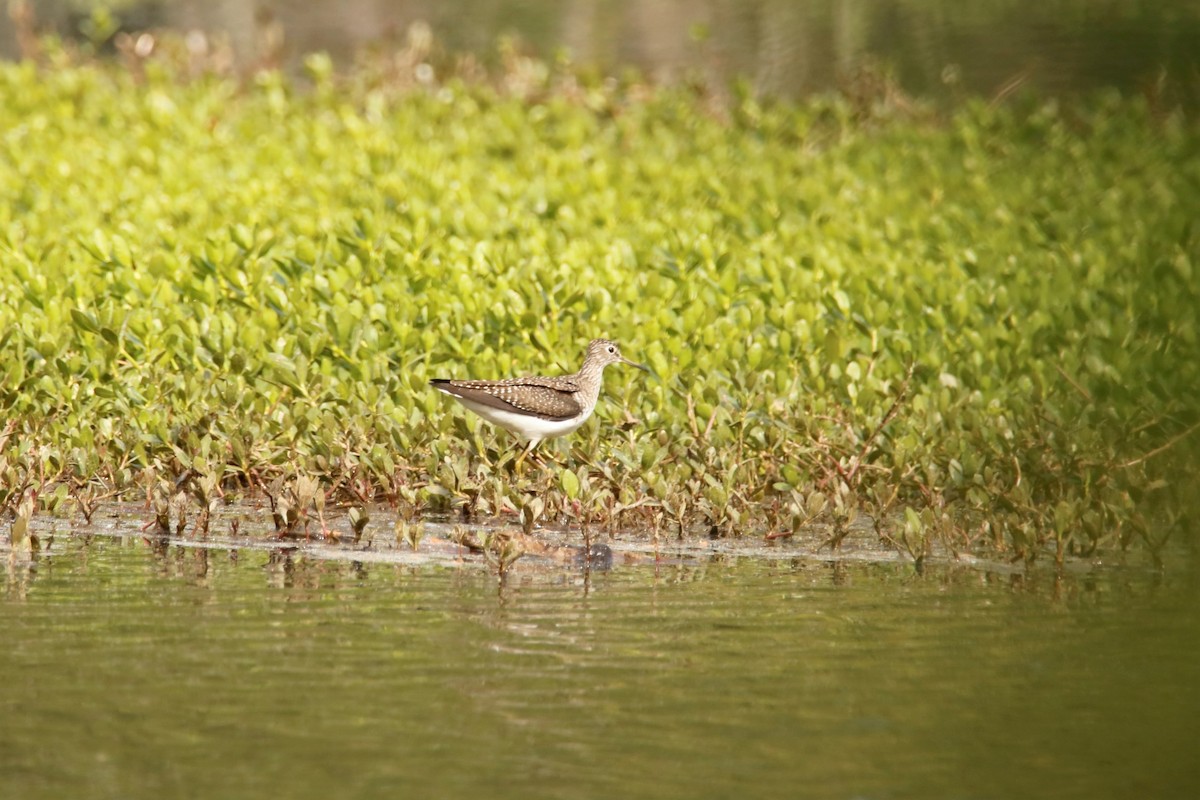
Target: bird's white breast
(522,425)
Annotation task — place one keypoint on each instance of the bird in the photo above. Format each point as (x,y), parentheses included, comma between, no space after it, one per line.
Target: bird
(540,407)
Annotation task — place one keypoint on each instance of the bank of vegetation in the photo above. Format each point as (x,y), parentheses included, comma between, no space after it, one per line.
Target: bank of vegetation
(976,327)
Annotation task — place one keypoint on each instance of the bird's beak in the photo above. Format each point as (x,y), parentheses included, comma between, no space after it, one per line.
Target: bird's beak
(642,367)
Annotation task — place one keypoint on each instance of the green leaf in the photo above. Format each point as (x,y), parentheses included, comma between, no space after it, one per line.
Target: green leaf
(569,482)
(85,321)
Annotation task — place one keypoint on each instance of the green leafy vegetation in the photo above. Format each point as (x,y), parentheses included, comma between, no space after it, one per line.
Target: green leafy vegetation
(979,329)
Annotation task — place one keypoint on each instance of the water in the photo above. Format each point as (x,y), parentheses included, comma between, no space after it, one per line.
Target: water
(132,670)
(939,48)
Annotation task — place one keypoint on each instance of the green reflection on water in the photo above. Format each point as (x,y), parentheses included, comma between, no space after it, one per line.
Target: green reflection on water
(134,673)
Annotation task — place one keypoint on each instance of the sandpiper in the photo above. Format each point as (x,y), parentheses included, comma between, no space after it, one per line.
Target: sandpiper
(538,408)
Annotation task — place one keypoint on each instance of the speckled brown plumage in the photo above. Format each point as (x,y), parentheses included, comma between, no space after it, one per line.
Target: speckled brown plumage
(545,398)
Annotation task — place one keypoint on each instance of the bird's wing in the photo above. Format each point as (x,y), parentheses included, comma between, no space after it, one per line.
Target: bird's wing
(546,398)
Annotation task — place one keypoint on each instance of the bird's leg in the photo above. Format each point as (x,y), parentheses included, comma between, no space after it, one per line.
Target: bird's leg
(528,449)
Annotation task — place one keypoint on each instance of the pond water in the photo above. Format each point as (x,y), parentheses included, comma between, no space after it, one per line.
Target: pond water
(933,47)
(133,667)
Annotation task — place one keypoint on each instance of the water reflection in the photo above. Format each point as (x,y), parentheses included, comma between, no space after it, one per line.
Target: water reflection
(694,676)
(311,568)
(791,48)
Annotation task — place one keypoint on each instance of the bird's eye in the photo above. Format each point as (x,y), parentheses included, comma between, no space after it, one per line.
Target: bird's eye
(612,349)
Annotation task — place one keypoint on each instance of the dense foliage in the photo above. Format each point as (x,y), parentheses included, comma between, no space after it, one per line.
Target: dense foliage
(980,329)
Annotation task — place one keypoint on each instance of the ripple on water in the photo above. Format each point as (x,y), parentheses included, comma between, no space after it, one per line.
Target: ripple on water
(695,675)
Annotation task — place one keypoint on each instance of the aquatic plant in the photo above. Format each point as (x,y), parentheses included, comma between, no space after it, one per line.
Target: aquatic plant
(977,326)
